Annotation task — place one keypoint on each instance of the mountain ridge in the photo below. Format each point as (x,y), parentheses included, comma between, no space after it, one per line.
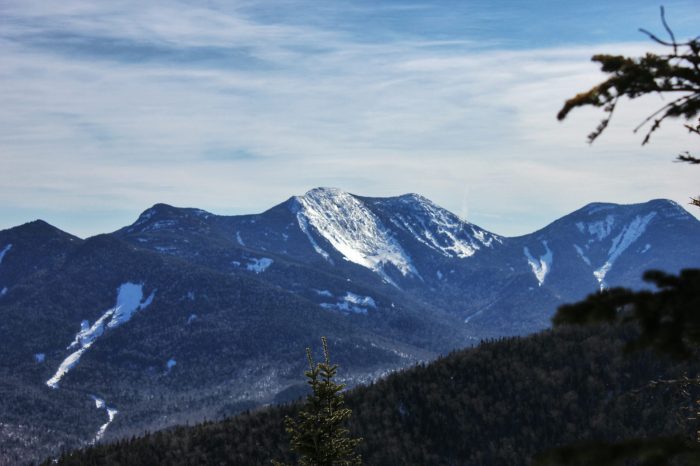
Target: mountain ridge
(224,301)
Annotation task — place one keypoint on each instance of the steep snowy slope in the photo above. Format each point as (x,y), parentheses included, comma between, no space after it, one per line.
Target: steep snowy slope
(346,223)
(600,245)
(419,220)
(603,242)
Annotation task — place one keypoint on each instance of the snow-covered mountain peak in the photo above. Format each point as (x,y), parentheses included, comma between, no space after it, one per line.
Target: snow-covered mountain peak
(435,227)
(323,191)
(604,221)
(604,232)
(602,236)
(352,229)
(629,233)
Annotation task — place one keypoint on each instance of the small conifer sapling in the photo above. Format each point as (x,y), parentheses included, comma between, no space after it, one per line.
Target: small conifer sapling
(319,434)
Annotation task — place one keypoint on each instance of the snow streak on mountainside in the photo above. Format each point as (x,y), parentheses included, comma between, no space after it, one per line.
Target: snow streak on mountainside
(437,228)
(4,251)
(615,230)
(304,226)
(352,302)
(259,265)
(129,301)
(3,289)
(630,233)
(599,229)
(111,414)
(542,265)
(353,230)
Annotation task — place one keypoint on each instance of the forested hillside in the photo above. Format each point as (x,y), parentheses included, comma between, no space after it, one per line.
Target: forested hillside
(497,404)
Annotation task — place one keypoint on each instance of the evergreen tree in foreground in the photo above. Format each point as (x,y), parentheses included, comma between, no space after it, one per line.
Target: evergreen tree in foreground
(319,435)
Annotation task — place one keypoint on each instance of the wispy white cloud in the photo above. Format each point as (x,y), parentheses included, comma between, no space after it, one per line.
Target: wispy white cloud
(115,107)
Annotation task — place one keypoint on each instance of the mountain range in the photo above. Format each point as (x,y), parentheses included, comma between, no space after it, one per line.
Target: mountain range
(186,315)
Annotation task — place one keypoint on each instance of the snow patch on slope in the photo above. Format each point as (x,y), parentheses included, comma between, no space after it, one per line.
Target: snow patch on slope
(111,414)
(600,229)
(353,230)
(4,251)
(129,301)
(629,234)
(440,229)
(360,300)
(471,316)
(99,402)
(600,274)
(67,364)
(542,265)
(580,253)
(258,265)
(304,226)
(89,333)
(352,302)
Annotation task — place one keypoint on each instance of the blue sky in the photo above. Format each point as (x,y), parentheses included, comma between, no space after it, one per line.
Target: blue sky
(109,107)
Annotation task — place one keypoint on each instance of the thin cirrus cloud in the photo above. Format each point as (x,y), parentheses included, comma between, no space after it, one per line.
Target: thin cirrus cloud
(109,108)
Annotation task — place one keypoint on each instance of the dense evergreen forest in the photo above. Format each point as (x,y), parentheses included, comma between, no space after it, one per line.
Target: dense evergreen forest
(500,403)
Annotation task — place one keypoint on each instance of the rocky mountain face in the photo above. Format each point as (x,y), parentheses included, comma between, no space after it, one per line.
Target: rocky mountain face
(186,315)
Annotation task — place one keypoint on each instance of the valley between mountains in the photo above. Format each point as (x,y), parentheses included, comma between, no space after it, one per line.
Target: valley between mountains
(186,315)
